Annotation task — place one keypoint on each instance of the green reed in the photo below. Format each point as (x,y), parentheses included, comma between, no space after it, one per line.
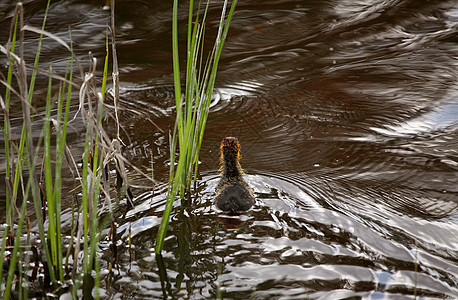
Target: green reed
(25,155)
(6,131)
(193,108)
(26,144)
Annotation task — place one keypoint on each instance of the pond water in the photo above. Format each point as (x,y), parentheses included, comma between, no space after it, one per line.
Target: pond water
(347,115)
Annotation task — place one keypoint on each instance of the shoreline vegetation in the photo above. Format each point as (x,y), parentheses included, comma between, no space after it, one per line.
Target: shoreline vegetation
(34,166)
(34,173)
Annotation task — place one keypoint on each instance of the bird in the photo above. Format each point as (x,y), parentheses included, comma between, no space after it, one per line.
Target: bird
(233,194)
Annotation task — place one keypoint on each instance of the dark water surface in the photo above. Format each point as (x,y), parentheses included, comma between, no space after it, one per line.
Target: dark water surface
(347,113)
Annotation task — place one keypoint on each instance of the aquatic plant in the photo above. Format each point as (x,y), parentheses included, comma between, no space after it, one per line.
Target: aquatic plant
(25,155)
(20,158)
(191,108)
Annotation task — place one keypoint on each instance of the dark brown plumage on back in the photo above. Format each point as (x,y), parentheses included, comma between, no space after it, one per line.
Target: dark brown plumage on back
(233,194)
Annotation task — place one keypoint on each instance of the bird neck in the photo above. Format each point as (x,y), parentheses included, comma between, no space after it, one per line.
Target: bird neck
(231,167)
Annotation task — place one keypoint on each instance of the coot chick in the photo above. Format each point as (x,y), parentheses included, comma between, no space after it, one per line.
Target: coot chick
(233,194)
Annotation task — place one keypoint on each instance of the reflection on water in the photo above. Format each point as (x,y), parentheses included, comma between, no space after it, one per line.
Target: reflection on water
(347,115)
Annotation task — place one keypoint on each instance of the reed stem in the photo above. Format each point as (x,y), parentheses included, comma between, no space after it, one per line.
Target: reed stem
(192,109)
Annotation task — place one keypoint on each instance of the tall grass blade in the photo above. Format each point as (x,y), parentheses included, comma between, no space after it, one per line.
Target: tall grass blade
(192,113)
(16,248)
(6,129)
(51,205)
(61,136)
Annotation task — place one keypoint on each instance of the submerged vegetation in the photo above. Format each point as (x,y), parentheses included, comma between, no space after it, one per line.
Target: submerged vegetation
(192,107)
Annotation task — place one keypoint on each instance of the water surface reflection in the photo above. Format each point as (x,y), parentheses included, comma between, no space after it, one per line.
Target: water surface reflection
(347,114)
